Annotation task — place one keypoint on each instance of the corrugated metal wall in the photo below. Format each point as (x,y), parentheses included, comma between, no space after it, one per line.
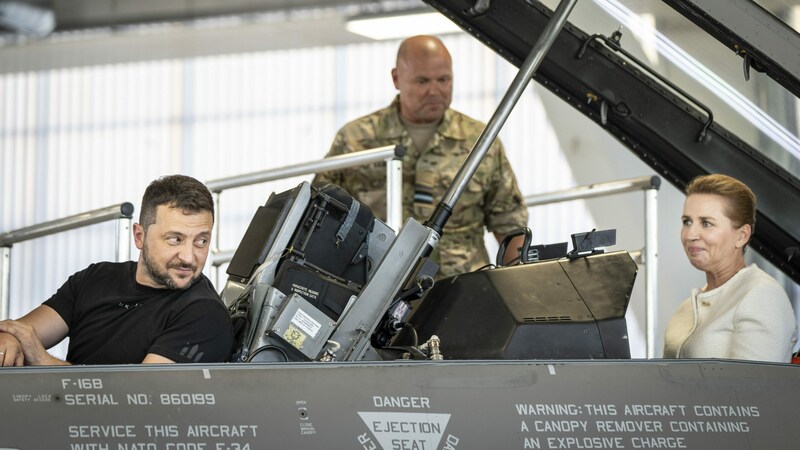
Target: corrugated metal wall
(79,139)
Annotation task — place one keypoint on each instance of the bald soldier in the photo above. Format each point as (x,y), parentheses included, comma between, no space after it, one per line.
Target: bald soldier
(437,140)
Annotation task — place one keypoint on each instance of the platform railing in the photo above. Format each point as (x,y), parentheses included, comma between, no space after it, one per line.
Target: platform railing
(390,154)
(647,256)
(122,213)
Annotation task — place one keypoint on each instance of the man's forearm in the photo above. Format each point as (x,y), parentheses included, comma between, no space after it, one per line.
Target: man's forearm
(19,340)
(45,359)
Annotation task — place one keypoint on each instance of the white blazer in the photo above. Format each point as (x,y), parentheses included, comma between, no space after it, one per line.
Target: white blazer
(749,317)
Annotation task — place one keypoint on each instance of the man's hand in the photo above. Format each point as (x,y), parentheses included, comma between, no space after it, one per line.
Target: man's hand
(24,341)
(512,255)
(28,345)
(10,349)
(153,358)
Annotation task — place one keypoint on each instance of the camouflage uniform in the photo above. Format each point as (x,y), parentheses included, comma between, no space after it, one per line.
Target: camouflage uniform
(491,198)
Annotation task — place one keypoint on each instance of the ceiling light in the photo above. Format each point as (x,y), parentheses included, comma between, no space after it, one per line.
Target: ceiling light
(27,20)
(401,25)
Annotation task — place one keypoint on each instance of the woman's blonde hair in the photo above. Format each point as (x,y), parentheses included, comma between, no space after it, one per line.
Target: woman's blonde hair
(741,202)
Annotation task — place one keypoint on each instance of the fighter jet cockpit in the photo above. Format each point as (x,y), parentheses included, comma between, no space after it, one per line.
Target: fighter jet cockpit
(310,253)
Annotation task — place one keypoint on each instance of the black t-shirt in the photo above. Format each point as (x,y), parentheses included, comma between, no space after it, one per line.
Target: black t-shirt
(112,319)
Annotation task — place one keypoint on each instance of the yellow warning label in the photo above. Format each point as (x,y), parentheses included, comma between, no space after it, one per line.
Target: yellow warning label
(294,336)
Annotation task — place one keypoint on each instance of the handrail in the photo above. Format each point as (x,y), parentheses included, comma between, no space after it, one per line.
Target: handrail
(220,257)
(122,212)
(648,256)
(390,154)
(335,162)
(594,190)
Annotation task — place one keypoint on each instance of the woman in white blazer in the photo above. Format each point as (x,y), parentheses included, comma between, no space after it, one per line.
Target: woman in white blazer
(741,312)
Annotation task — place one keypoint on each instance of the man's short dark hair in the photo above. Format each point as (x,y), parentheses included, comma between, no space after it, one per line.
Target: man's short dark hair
(175,191)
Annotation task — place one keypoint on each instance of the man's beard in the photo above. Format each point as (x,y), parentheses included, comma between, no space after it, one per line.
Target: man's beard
(163,278)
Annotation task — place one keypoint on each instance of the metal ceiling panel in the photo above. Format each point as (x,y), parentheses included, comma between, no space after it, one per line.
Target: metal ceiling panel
(88,14)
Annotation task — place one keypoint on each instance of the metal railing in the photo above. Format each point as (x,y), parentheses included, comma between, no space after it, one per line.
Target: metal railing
(122,212)
(390,154)
(648,256)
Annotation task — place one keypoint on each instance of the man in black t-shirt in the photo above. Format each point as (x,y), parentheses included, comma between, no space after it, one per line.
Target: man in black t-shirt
(160,309)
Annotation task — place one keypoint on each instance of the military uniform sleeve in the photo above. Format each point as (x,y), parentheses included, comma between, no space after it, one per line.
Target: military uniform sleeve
(338,147)
(357,181)
(201,333)
(505,207)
